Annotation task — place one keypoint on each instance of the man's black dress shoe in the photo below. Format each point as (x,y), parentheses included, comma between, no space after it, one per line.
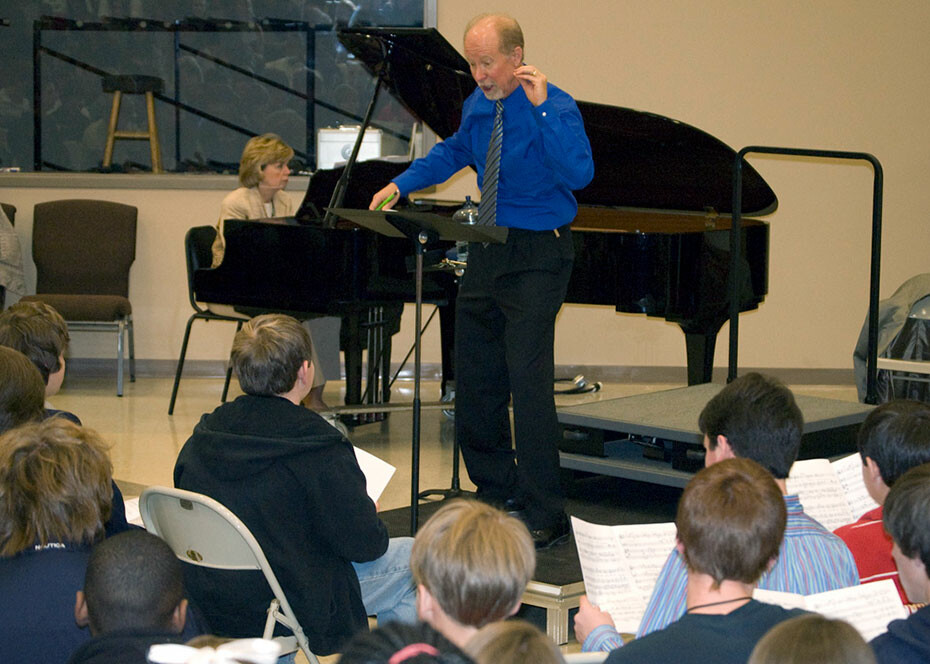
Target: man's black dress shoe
(515,508)
(557,533)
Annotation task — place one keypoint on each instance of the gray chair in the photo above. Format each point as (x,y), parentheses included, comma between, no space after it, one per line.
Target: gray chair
(203,532)
(83,250)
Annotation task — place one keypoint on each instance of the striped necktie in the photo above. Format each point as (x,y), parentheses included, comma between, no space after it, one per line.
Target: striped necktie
(487,208)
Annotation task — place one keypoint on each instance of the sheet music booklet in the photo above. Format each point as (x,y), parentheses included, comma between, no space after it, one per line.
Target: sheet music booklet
(620,565)
(833,493)
(869,607)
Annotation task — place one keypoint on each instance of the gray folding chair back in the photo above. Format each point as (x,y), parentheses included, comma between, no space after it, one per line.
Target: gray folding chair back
(201,531)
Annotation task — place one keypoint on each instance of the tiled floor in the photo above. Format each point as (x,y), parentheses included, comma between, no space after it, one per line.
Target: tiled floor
(146,440)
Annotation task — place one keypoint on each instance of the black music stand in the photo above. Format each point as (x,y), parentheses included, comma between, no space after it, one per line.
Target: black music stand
(422,228)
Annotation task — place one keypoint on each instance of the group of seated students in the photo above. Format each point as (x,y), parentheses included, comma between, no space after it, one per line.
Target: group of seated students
(79,584)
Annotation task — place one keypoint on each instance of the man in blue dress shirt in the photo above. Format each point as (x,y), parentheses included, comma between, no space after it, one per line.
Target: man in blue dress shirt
(511,292)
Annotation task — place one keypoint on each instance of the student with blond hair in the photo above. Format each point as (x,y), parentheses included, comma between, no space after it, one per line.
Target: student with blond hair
(471,563)
(55,493)
(515,642)
(812,638)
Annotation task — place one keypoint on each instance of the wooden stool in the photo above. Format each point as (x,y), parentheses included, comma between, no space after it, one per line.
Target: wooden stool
(133,85)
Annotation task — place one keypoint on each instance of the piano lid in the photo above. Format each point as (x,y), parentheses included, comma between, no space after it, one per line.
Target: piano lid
(641,160)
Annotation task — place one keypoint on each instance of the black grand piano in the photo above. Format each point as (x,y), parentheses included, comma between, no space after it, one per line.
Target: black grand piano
(651,235)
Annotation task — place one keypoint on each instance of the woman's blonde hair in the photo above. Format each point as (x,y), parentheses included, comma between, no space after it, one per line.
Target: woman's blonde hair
(258,153)
(55,485)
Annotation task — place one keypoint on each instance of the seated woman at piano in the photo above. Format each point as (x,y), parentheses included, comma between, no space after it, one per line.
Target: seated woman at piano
(263,174)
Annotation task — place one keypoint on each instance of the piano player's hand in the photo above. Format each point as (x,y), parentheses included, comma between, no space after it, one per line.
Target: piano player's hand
(388,196)
(533,82)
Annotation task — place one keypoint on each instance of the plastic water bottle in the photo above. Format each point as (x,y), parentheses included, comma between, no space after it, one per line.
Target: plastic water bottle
(467,214)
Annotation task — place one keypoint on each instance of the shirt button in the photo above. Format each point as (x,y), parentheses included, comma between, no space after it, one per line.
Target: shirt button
(544,113)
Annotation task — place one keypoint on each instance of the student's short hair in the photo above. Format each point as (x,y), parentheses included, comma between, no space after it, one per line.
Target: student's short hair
(400,642)
(22,392)
(55,485)
(508,30)
(760,419)
(513,641)
(731,521)
(907,513)
(260,151)
(812,638)
(475,560)
(896,435)
(133,581)
(268,352)
(37,331)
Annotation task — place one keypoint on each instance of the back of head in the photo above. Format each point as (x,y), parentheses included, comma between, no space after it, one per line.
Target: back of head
(514,642)
(268,352)
(907,514)
(259,151)
(812,638)
(55,485)
(133,581)
(37,331)
(22,392)
(896,435)
(475,560)
(399,643)
(731,520)
(760,419)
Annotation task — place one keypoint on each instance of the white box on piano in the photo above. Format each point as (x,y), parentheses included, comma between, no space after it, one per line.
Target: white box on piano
(334,145)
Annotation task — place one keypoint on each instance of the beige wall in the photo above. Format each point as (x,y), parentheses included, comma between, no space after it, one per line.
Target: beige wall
(836,74)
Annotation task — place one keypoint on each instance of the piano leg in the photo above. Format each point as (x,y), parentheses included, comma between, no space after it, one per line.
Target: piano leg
(700,343)
(352,346)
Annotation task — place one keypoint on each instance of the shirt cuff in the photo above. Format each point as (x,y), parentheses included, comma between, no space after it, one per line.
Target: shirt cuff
(601,638)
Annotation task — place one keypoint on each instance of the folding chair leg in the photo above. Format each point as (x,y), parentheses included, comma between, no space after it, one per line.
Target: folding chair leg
(177,374)
(119,358)
(229,370)
(132,351)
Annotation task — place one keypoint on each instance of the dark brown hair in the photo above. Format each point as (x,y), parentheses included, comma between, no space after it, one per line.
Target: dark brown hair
(22,392)
(37,331)
(760,419)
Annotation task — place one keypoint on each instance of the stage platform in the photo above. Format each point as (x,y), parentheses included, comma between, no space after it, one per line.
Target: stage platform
(655,438)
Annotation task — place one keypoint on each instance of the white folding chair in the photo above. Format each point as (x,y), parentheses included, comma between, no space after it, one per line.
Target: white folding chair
(585,657)
(201,531)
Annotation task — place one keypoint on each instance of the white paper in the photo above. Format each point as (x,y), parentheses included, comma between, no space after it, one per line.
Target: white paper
(620,565)
(832,493)
(820,491)
(849,472)
(377,472)
(133,515)
(868,607)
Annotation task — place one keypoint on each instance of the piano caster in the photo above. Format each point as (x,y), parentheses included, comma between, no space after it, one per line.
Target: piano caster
(358,419)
